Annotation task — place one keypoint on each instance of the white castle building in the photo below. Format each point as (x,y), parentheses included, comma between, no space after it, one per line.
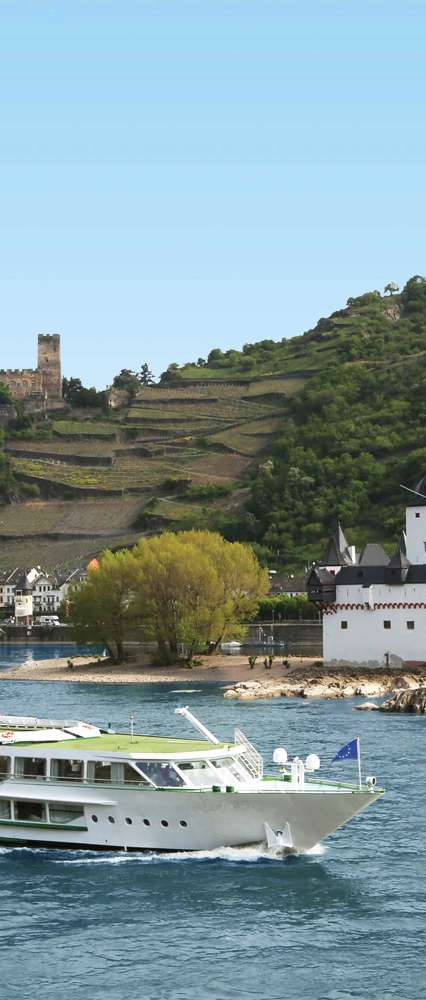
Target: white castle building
(374,606)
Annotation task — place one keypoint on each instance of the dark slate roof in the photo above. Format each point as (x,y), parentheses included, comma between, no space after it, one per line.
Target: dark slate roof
(22,583)
(399,560)
(336,553)
(322,575)
(367,575)
(332,556)
(373,555)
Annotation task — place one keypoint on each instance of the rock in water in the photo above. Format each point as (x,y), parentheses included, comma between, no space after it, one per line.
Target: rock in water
(410,700)
(368,706)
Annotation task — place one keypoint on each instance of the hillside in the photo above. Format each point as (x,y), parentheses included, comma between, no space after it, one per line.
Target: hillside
(268,444)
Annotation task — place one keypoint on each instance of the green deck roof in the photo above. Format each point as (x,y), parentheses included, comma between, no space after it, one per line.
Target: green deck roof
(123,743)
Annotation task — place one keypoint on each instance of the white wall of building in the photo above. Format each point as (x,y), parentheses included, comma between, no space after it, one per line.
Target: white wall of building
(365,637)
(416,534)
(23,607)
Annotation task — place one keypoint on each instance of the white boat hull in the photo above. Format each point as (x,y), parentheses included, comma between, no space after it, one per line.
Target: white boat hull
(210,820)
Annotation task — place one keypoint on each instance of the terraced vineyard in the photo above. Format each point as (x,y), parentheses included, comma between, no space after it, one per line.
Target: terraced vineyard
(132,473)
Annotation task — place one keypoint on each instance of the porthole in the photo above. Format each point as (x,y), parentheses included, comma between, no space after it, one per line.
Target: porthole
(94,819)
(147,822)
(164,822)
(128,820)
(183,822)
(111,819)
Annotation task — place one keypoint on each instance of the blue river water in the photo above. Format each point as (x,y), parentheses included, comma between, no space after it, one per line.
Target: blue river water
(346,921)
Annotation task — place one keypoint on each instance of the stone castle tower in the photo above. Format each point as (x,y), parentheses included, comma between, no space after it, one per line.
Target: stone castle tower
(43,382)
(49,364)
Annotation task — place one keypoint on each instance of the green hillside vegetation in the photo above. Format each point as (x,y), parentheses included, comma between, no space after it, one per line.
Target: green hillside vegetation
(350,437)
(268,444)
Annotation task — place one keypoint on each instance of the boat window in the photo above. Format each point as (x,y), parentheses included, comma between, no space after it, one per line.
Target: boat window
(4,809)
(4,768)
(67,812)
(229,764)
(118,773)
(198,772)
(30,811)
(161,774)
(98,770)
(67,770)
(123,772)
(30,767)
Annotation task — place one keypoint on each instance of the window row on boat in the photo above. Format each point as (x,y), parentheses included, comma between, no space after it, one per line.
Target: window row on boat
(57,813)
(158,774)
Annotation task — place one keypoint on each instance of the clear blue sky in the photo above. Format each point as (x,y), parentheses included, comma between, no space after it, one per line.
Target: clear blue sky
(181,175)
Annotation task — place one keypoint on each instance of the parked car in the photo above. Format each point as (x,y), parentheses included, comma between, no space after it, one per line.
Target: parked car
(47,620)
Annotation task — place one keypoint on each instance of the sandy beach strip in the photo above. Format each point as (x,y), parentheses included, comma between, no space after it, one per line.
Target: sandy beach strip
(212,669)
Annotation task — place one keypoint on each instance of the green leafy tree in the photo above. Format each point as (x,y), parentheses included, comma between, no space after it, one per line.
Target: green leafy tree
(144,375)
(195,589)
(102,608)
(5,393)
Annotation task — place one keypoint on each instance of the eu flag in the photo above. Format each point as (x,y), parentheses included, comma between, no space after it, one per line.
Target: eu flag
(350,751)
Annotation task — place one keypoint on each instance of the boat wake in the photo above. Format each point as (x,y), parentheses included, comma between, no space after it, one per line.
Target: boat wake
(231,855)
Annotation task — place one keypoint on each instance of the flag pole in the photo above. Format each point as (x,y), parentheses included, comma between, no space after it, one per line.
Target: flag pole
(359,761)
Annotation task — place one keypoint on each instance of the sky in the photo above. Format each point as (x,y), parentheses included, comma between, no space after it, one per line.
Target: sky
(179,175)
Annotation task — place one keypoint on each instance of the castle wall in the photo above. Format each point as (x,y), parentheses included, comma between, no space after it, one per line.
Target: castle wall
(45,381)
(354,629)
(22,382)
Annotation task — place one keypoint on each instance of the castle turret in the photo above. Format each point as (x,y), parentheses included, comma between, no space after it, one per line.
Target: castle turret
(49,364)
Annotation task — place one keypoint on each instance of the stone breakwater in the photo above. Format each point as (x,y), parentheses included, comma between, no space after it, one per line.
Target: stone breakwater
(411,700)
(336,683)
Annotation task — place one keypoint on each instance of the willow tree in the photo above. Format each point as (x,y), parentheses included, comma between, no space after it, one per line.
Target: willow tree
(178,595)
(102,607)
(243,581)
(195,589)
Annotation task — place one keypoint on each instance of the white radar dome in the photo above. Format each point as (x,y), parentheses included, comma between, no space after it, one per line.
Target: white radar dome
(312,762)
(279,756)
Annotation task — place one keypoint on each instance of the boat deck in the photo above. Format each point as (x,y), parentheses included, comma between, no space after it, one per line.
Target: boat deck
(124,743)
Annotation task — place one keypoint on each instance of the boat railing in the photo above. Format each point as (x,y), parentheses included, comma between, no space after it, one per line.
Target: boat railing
(52,780)
(251,757)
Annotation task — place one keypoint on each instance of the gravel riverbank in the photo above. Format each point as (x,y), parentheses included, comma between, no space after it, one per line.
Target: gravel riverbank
(303,677)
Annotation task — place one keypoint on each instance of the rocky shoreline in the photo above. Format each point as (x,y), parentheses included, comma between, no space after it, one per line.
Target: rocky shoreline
(299,678)
(336,682)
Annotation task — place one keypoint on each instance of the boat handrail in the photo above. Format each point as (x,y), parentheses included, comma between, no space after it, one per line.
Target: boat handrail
(252,759)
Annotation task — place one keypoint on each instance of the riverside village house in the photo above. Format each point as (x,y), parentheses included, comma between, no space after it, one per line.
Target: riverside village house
(374,607)
(27,593)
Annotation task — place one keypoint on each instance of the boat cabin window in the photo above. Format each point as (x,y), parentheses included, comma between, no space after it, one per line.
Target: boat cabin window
(229,764)
(4,768)
(67,770)
(98,770)
(160,773)
(198,772)
(31,811)
(5,812)
(66,812)
(115,772)
(30,767)
(125,772)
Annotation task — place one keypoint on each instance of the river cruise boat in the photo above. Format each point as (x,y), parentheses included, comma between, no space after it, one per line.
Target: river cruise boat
(70,785)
